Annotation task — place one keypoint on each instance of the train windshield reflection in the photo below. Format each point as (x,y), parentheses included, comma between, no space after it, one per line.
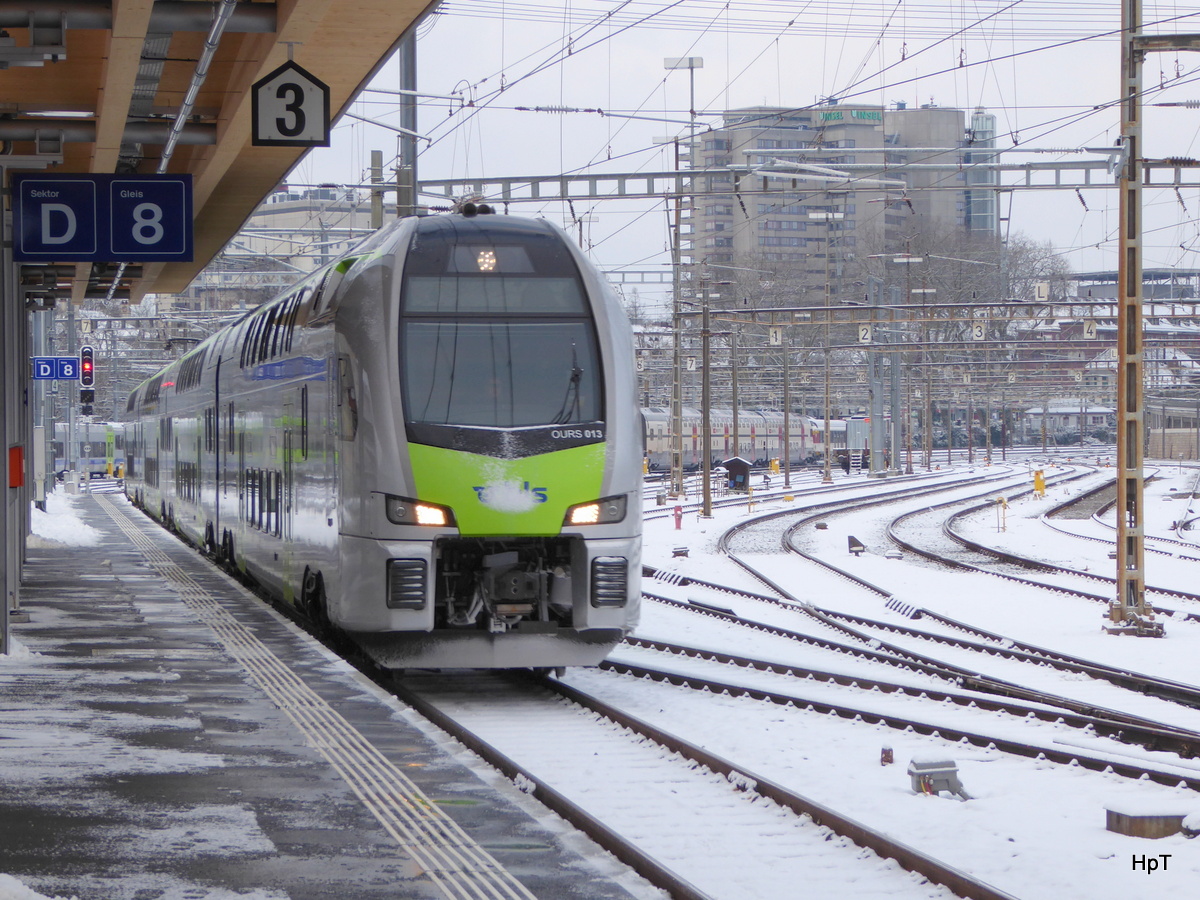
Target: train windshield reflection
(510,374)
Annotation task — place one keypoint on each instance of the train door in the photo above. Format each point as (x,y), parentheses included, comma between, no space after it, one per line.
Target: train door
(344,410)
(196,475)
(215,436)
(243,512)
(289,470)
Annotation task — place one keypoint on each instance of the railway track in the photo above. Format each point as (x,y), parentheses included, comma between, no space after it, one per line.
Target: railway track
(975,688)
(652,791)
(1004,647)
(789,543)
(878,497)
(1094,504)
(975,556)
(845,682)
(956,716)
(976,641)
(807,487)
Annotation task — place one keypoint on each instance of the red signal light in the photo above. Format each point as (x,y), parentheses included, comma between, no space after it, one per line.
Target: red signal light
(87,370)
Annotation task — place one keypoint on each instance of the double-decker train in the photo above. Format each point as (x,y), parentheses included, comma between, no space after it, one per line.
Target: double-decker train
(760,436)
(432,444)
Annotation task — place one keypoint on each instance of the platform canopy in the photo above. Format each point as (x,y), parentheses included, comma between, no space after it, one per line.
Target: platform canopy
(100,84)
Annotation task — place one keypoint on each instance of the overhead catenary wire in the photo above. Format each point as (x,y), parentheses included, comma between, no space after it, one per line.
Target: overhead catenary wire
(1026,23)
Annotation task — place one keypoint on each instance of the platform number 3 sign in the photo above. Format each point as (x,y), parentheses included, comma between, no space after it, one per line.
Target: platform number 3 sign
(290,108)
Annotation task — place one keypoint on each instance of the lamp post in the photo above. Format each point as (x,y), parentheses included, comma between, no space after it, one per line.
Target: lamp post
(691,63)
(676,360)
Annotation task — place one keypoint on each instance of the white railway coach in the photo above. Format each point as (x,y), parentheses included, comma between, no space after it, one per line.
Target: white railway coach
(760,436)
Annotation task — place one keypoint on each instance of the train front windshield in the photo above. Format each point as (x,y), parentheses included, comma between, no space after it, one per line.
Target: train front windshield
(497,335)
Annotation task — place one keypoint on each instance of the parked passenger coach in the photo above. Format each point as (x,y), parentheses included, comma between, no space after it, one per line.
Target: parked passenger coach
(432,444)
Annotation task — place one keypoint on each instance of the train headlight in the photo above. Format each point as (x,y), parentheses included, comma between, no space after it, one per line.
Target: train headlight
(598,512)
(402,511)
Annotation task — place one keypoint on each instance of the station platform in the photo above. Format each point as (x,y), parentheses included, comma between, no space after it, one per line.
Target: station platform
(166,734)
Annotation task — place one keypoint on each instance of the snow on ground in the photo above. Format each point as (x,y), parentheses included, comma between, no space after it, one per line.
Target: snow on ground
(1036,616)
(17,653)
(12,889)
(59,524)
(1033,828)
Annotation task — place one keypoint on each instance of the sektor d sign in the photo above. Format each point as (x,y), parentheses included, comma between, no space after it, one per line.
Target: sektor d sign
(102,218)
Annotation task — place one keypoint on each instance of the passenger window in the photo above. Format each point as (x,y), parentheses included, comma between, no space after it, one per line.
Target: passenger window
(325,302)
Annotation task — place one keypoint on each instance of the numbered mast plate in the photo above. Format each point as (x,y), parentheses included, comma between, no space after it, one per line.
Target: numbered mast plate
(290,108)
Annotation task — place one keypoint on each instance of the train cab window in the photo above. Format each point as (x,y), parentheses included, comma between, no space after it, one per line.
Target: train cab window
(496,332)
(501,374)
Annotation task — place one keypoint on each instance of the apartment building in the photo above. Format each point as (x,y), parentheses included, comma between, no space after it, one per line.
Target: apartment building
(785,203)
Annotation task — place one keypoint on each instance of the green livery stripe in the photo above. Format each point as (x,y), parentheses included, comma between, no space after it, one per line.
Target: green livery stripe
(503,496)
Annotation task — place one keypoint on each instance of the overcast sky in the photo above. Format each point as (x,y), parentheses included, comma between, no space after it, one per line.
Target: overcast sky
(1048,69)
